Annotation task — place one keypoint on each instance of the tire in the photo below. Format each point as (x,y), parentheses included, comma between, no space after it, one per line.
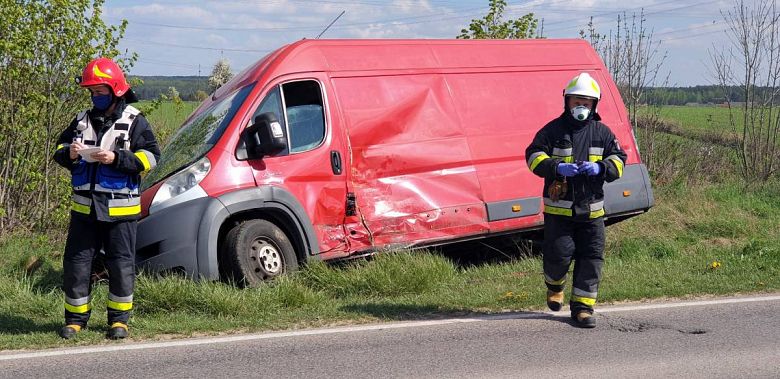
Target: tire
(255,252)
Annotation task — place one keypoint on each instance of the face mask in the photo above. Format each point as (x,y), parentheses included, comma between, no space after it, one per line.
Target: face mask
(580,113)
(102,102)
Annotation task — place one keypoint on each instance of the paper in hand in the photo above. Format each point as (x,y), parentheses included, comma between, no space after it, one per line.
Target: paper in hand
(87,151)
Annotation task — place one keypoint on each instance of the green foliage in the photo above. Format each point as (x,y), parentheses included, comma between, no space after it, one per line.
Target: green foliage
(493,26)
(43,46)
(189,87)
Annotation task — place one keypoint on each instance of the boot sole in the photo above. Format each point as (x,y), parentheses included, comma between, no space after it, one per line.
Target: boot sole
(554,306)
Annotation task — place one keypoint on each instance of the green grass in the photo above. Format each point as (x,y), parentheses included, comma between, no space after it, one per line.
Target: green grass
(688,230)
(167,117)
(703,119)
(668,252)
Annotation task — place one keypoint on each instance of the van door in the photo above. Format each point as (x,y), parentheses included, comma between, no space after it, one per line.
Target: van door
(311,167)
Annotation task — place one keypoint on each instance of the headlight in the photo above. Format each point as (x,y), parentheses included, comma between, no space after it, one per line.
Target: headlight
(182,185)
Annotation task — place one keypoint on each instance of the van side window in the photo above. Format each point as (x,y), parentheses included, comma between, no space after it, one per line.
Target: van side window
(305,117)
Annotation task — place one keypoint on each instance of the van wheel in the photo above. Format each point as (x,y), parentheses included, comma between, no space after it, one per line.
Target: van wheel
(257,251)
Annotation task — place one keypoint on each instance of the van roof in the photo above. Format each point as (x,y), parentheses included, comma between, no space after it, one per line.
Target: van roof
(355,55)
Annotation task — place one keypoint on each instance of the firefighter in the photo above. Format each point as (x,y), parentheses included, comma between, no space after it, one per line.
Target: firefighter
(575,154)
(105,202)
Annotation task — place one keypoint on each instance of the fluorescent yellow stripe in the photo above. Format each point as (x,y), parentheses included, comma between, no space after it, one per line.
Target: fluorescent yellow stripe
(77,308)
(124,211)
(100,74)
(119,325)
(80,208)
(566,159)
(595,158)
(120,306)
(60,146)
(597,213)
(538,160)
(618,165)
(144,160)
(584,300)
(557,211)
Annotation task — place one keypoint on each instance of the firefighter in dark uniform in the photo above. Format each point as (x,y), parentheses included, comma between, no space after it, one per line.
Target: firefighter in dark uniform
(575,154)
(105,203)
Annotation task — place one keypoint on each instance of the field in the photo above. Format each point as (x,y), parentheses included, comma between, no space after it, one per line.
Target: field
(709,234)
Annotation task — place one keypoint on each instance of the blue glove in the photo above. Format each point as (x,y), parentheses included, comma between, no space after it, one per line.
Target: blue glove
(567,169)
(589,168)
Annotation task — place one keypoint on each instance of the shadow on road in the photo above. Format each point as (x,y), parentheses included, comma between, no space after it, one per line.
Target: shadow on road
(402,312)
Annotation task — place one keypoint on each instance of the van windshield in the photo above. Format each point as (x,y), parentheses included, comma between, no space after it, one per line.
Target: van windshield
(196,137)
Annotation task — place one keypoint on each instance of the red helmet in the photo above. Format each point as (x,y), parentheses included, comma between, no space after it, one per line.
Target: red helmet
(105,71)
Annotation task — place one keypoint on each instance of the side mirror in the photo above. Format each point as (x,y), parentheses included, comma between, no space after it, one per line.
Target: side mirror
(264,137)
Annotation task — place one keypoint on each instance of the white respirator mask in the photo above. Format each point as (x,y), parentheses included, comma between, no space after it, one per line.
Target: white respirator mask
(580,113)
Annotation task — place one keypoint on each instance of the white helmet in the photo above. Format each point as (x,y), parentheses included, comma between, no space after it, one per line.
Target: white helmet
(583,85)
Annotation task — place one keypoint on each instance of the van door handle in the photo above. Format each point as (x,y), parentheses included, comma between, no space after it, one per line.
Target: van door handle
(335,162)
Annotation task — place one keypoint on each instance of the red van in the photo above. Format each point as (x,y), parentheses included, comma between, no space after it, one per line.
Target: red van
(326,149)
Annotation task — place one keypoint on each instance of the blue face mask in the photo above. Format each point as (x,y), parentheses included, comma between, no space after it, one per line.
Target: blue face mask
(102,102)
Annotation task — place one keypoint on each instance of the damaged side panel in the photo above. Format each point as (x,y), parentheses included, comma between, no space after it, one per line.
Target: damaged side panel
(411,168)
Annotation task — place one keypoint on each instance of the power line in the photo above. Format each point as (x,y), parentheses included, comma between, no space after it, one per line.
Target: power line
(435,16)
(197,47)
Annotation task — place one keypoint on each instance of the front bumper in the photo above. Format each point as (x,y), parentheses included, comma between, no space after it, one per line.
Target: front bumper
(182,238)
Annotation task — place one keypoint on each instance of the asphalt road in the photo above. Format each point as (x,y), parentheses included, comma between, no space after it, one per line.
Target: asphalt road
(716,338)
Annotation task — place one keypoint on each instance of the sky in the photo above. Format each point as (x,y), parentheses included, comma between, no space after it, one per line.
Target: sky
(187,37)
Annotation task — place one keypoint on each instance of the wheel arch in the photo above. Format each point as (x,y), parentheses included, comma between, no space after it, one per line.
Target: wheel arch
(269,203)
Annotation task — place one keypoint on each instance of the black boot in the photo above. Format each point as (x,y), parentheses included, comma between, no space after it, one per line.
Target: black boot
(117,331)
(69,331)
(584,319)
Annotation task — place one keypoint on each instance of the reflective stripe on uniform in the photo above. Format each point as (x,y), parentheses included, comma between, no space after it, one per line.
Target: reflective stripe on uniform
(147,159)
(80,305)
(536,158)
(617,162)
(83,187)
(597,213)
(578,292)
(559,203)
(564,155)
(80,204)
(120,303)
(558,211)
(595,154)
(584,300)
(596,151)
(597,206)
(560,207)
(63,145)
(562,152)
(123,191)
(124,207)
(549,280)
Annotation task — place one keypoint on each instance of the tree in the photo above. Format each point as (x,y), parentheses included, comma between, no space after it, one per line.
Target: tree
(751,68)
(44,44)
(634,60)
(492,26)
(220,74)
(201,95)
